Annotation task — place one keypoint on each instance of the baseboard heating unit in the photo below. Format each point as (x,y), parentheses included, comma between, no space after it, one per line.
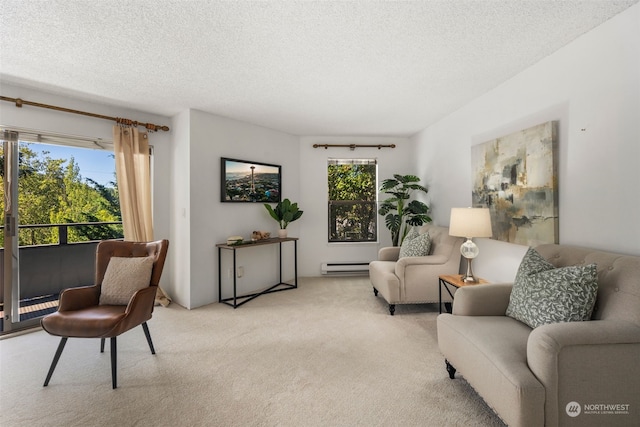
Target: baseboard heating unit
(345,268)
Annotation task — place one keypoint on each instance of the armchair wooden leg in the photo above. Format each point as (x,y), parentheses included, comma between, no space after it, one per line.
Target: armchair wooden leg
(148,335)
(375,292)
(63,341)
(114,351)
(392,309)
(101,345)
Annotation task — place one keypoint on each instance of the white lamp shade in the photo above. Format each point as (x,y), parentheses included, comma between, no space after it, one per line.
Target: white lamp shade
(470,222)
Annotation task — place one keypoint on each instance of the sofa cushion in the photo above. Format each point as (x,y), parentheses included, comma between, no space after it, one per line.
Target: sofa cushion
(123,277)
(415,244)
(544,294)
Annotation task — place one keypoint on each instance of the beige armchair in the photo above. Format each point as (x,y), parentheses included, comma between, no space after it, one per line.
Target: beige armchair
(414,280)
(580,373)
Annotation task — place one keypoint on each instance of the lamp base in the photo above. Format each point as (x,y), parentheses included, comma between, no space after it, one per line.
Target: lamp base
(468,276)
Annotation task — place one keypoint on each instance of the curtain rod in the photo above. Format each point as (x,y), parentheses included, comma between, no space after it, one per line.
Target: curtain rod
(150,126)
(354,146)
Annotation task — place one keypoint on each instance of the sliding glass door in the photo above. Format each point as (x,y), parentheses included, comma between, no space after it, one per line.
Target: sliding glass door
(59,198)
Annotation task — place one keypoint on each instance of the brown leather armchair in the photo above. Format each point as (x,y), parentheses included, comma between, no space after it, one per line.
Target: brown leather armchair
(80,315)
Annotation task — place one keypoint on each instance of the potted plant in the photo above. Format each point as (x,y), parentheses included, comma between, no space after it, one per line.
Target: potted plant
(400,211)
(284,213)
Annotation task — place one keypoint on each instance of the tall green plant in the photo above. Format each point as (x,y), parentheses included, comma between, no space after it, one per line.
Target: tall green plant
(399,210)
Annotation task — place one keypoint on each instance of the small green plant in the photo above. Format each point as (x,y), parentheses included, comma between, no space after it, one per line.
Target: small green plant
(401,213)
(284,212)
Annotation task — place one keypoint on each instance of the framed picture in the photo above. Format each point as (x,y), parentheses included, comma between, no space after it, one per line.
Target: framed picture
(243,181)
(516,177)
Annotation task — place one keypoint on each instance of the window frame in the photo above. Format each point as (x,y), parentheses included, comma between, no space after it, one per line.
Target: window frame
(332,203)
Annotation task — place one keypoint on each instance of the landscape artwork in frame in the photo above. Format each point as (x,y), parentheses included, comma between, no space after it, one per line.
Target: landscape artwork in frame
(515,176)
(250,182)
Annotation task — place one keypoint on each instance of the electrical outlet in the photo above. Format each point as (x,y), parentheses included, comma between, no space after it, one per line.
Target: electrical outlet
(240,271)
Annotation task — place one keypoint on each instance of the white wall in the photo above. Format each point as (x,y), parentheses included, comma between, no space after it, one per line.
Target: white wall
(314,192)
(592,87)
(208,221)
(179,210)
(72,124)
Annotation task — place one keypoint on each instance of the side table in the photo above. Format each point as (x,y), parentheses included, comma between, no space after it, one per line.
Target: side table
(280,286)
(454,280)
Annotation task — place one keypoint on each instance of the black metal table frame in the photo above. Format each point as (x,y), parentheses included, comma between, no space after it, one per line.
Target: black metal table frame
(233,301)
(444,283)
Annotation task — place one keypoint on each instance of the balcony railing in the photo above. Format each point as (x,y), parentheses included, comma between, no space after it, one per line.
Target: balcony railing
(63,231)
(46,269)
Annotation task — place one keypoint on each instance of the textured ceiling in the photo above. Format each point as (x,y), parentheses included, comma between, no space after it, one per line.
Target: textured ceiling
(307,68)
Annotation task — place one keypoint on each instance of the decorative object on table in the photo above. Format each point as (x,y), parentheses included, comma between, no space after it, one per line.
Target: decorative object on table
(234,240)
(400,213)
(245,181)
(260,235)
(515,176)
(284,213)
(470,223)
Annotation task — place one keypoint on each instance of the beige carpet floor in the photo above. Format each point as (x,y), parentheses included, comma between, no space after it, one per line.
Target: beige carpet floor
(325,354)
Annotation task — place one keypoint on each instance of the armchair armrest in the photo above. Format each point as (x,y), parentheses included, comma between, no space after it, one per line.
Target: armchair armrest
(390,253)
(563,355)
(139,308)
(78,298)
(421,261)
(142,301)
(482,300)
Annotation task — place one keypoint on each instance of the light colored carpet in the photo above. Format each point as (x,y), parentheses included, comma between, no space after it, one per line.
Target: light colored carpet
(325,354)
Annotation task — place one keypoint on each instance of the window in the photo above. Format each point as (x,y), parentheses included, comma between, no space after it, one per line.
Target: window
(66,194)
(352,200)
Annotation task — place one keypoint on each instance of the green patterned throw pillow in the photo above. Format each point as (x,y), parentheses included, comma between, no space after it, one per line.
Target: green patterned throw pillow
(415,244)
(544,294)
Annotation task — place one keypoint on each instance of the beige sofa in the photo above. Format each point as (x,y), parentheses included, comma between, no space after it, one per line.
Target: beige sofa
(414,280)
(560,374)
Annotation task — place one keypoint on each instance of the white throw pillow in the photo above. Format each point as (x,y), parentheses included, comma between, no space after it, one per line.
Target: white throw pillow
(125,276)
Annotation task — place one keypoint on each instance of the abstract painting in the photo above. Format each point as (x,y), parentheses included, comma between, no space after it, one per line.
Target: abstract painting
(515,176)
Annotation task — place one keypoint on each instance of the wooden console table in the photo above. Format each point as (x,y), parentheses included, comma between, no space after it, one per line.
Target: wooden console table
(280,286)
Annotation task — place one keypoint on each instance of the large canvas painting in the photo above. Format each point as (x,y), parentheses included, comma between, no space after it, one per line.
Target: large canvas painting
(515,176)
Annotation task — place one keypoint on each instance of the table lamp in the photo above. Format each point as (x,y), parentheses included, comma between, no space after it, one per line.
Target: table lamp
(470,223)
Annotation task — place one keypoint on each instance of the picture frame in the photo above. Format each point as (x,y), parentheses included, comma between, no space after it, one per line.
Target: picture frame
(516,177)
(245,181)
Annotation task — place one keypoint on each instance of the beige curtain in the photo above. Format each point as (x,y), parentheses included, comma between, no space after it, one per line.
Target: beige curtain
(131,148)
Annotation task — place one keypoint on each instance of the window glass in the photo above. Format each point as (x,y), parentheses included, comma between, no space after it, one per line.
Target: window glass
(352,203)
(67,185)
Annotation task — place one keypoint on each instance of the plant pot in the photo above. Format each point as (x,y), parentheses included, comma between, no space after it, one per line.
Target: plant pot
(282,233)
